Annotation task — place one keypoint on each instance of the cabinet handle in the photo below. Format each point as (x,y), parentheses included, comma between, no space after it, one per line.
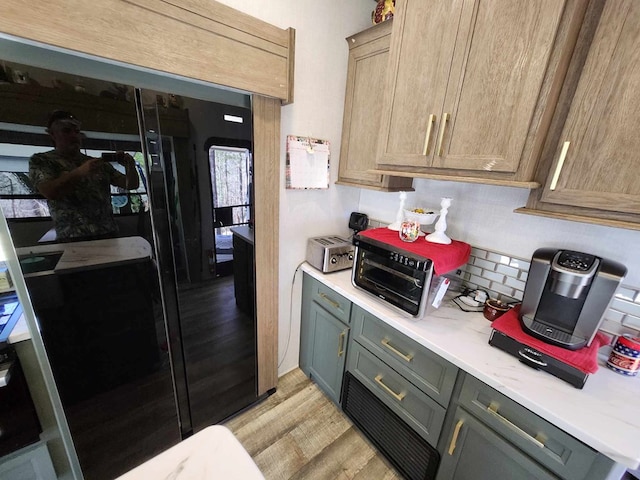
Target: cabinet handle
(397,396)
(454,439)
(407,357)
(493,410)
(327,299)
(427,137)
(341,343)
(556,174)
(445,119)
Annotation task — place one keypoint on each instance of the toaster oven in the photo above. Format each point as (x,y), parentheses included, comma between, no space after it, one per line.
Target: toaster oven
(399,277)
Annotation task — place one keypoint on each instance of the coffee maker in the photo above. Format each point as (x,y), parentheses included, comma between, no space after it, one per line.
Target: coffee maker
(566,295)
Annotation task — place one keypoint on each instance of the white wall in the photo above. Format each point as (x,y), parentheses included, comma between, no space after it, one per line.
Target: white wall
(320,80)
(481,215)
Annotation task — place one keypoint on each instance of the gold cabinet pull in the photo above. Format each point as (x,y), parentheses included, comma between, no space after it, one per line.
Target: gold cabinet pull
(407,357)
(445,119)
(326,298)
(341,343)
(454,438)
(427,137)
(556,174)
(397,396)
(493,410)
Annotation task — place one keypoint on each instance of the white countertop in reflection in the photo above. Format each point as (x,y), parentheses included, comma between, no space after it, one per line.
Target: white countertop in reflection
(244,232)
(211,453)
(604,414)
(93,254)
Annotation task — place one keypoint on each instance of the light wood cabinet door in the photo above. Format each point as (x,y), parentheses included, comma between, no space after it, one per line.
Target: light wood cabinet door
(596,158)
(422,46)
(497,72)
(472,82)
(366,76)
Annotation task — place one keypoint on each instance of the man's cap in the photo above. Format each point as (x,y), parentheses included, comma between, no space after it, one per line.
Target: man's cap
(63,116)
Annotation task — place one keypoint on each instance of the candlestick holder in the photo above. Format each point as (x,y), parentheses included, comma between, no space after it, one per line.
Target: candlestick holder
(400,215)
(441,225)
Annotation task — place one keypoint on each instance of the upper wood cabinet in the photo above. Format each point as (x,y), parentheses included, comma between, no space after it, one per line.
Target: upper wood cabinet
(473,83)
(593,163)
(366,74)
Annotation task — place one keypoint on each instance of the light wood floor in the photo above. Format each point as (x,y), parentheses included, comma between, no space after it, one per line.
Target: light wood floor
(298,433)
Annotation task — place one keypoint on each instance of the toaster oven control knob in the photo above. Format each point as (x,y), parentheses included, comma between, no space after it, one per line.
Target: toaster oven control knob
(350,256)
(334,260)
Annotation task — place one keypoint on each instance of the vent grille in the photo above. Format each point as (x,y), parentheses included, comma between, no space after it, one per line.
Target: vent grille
(409,453)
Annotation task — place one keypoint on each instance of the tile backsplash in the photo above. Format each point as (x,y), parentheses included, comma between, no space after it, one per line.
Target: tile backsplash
(504,276)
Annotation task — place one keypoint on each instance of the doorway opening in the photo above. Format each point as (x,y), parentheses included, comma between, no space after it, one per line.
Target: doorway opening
(230,175)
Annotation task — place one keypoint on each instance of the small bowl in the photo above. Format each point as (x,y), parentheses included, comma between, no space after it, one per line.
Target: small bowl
(424,218)
(493,309)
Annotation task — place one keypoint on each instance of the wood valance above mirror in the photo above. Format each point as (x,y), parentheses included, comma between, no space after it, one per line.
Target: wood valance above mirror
(199,39)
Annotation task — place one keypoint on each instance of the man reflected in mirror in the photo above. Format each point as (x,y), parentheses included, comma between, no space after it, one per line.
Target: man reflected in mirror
(77,186)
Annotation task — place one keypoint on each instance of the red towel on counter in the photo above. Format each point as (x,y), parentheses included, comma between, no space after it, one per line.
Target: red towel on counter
(584,359)
(445,257)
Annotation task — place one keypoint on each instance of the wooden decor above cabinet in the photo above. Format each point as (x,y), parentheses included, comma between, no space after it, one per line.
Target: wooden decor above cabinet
(368,56)
(472,87)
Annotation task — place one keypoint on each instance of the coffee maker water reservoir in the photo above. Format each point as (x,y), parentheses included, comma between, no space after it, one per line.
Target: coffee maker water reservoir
(566,296)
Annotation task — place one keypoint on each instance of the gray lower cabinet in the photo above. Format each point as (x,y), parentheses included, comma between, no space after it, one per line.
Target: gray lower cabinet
(491,437)
(324,333)
(475,452)
(413,382)
(478,432)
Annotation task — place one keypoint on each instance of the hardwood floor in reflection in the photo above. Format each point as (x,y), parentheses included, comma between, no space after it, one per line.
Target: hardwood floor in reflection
(220,352)
(298,433)
(117,430)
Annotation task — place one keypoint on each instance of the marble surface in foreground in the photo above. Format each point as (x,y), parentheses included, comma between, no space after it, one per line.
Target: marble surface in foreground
(211,453)
(603,415)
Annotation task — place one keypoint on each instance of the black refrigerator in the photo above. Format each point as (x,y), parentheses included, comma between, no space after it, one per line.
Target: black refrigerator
(144,354)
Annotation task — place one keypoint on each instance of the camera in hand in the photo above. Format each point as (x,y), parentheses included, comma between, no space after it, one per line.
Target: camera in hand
(110,156)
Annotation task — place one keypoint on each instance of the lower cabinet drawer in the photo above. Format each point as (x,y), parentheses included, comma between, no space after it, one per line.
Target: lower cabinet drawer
(420,412)
(332,302)
(556,450)
(431,373)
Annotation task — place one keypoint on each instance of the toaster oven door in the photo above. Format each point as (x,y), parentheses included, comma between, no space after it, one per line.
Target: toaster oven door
(401,280)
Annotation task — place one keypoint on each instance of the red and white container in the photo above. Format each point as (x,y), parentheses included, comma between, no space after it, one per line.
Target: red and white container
(625,356)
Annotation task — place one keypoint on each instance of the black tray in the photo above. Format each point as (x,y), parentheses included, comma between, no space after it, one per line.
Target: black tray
(538,360)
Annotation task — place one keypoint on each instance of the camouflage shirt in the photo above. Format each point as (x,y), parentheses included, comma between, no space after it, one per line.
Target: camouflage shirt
(87,211)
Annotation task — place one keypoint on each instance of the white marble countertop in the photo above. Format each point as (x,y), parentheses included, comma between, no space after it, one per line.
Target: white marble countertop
(93,254)
(604,414)
(211,453)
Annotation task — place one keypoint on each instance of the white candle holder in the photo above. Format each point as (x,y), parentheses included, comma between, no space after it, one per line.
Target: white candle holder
(400,215)
(441,225)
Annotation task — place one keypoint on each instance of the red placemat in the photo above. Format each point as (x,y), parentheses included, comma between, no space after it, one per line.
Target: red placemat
(584,359)
(445,257)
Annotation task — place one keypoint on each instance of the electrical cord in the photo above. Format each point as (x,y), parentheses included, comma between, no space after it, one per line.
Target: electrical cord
(286,348)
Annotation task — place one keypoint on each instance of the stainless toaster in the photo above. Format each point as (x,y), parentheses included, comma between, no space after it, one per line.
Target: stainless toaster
(330,253)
